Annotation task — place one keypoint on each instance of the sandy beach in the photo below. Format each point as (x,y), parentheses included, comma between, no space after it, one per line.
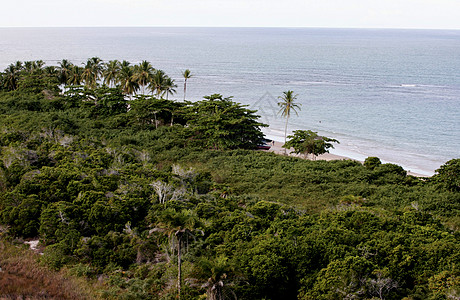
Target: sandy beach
(278,149)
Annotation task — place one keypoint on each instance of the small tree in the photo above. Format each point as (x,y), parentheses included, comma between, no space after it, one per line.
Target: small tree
(308,142)
(372,162)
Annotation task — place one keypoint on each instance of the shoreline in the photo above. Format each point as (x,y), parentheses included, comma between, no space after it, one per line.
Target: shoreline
(277,148)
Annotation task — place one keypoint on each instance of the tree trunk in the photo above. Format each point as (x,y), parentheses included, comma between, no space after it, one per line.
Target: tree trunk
(185,87)
(179,267)
(285,134)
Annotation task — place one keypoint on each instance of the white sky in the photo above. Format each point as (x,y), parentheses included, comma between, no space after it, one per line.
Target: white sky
(436,14)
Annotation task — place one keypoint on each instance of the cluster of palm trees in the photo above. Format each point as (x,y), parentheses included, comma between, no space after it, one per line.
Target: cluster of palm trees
(9,79)
(132,79)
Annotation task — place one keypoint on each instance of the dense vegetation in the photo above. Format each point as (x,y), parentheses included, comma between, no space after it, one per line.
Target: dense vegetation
(152,197)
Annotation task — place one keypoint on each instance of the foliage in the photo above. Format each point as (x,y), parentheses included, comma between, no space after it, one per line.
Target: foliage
(151,194)
(309,142)
(219,123)
(449,175)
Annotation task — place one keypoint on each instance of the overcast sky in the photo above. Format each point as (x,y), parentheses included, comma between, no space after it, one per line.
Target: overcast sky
(436,14)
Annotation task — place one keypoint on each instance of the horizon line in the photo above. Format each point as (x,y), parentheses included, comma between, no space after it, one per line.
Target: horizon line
(242,27)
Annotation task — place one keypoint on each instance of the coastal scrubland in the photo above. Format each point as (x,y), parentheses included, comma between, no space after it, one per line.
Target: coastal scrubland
(135,196)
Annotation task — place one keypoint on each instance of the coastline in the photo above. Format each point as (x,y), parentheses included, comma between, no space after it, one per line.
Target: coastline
(277,148)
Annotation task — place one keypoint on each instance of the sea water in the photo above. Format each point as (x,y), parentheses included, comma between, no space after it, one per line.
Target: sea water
(394,94)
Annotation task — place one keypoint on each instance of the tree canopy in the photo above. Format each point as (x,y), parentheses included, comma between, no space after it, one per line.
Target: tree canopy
(308,142)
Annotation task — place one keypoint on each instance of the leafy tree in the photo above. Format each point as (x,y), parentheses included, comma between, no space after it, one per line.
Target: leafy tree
(287,105)
(449,175)
(220,123)
(147,110)
(309,142)
(342,279)
(372,162)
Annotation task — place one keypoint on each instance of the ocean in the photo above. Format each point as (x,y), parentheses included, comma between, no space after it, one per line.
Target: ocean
(394,94)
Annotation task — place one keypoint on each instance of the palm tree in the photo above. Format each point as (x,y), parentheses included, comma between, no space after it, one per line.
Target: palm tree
(125,63)
(158,82)
(29,66)
(11,76)
(18,65)
(143,73)
(178,225)
(111,71)
(287,104)
(33,67)
(92,72)
(87,75)
(51,71)
(128,84)
(216,272)
(76,75)
(187,74)
(170,86)
(38,64)
(65,71)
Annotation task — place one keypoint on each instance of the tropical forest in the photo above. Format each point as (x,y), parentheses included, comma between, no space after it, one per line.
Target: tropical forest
(114,186)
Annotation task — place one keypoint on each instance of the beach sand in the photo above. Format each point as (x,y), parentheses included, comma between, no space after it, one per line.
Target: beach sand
(278,149)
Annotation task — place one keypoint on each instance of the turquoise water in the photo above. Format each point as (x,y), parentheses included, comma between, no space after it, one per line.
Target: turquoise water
(394,94)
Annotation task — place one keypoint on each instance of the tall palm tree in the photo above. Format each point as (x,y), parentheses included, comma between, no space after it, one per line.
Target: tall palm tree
(111,72)
(143,73)
(158,82)
(39,64)
(92,72)
(18,65)
(33,67)
(187,74)
(125,63)
(128,84)
(29,66)
(178,225)
(76,75)
(11,76)
(170,86)
(287,105)
(51,71)
(87,75)
(65,71)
